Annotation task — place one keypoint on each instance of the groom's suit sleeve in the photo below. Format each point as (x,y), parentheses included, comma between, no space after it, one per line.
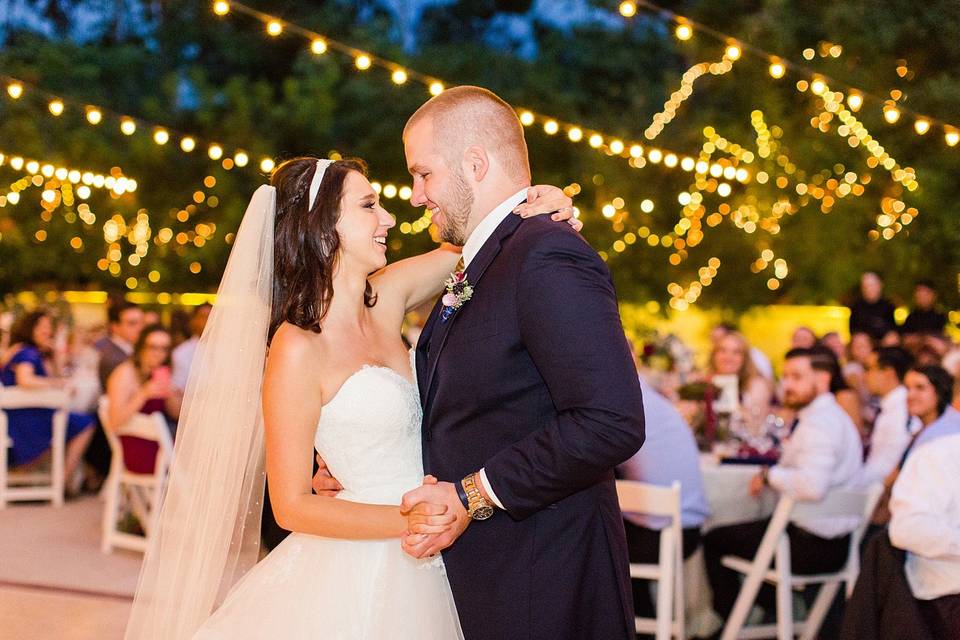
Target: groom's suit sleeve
(570,324)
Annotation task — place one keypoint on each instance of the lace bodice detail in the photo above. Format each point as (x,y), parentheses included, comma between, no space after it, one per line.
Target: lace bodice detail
(369,436)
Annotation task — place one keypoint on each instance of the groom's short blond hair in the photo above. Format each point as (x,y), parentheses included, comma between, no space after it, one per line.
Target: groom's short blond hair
(467,115)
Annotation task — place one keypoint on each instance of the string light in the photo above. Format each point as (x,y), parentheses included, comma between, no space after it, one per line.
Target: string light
(128,126)
(628,9)
(318,46)
(161,136)
(94,115)
(15,90)
(56,107)
(221,8)
(921,126)
(401,75)
(778,66)
(952,137)
(274,28)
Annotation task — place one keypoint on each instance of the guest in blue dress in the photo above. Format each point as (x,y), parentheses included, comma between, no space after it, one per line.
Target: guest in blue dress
(31,430)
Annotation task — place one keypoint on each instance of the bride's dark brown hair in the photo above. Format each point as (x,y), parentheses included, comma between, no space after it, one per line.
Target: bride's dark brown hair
(306,245)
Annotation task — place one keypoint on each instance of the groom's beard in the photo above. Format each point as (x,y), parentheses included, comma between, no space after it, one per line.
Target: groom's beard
(456,212)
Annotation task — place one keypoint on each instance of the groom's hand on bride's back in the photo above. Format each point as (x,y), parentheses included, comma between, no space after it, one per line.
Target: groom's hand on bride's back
(324,484)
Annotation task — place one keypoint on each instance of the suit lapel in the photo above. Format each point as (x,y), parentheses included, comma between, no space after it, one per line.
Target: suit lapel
(478,266)
(423,352)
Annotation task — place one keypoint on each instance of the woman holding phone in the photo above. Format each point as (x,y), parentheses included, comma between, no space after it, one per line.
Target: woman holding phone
(142,385)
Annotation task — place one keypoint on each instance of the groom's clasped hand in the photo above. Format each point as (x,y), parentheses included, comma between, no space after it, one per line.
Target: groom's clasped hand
(432,496)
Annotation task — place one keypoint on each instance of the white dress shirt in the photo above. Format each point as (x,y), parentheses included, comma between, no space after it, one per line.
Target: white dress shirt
(669,454)
(182,359)
(471,248)
(890,437)
(925,517)
(823,453)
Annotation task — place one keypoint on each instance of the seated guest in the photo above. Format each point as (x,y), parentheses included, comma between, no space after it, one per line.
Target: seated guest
(142,385)
(759,358)
(925,522)
(125,321)
(25,365)
(924,318)
(892,428)
(929,392)
(731,356)
(834,342)
(183,354)
(859,354)
(669,454)
(803,338)
(844,395)
(821,454)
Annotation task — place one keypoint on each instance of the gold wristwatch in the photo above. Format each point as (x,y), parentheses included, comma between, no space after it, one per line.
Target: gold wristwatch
(477,507)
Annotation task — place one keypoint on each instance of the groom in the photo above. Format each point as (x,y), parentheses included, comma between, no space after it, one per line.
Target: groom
(530,396)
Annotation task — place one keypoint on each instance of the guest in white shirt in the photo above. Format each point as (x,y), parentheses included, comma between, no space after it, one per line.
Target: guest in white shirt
(183,355)
(822,453)
(669,454)
(925,522)
(894,425)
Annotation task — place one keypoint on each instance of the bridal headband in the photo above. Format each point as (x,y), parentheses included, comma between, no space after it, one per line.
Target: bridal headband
(317,179)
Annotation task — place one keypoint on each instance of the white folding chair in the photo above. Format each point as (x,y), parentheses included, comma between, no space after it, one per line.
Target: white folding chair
(775,547)
(17,486)
(653,500)
(140,492)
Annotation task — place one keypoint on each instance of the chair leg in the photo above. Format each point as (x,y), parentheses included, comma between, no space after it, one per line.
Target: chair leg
(828,591)
(111,506)
(665,586)
(784,591)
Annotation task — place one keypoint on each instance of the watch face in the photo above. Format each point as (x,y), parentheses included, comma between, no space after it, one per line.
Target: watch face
(482,513)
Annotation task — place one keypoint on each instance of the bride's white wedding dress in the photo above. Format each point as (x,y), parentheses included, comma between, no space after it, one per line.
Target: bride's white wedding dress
(323,588)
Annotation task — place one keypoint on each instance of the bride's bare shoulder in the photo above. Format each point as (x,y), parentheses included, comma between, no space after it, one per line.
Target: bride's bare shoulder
(297,347)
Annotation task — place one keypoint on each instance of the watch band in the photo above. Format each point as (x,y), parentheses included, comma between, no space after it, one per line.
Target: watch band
(462,494)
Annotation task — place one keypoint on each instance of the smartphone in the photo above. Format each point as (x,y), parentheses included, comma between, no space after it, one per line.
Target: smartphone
(161,376)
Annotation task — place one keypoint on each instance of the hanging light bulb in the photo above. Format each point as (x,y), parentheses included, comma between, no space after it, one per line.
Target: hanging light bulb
(551,127)
(94,115)
(221,8)
(891,114)
(855,101)
(952,137)
(628,9)
(188,144)
(15,90)
(526,118)
(777,70)
(436,88)
(161,136)
(575,134)
(274,28)
(921,126)
(683,32)
(319,46)
(363,62)
(733,51)
(128,126)
(56,107)
(399,76)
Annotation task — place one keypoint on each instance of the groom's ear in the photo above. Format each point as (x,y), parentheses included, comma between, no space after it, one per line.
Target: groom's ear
(476,161)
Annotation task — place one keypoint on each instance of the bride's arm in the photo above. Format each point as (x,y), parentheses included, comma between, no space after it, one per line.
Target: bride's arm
(419,279)
(290,420)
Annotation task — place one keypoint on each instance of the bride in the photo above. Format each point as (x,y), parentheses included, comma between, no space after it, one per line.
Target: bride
(337,379)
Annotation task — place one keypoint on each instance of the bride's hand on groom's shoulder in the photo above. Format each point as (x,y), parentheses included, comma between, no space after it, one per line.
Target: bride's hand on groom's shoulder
(435,495)
(543,199)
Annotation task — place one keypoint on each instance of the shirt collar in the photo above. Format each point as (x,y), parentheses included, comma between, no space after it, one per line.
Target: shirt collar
(897,395)
(124,346)
(489,224)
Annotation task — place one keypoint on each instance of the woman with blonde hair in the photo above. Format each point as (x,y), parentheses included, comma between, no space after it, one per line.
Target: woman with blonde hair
(731,356)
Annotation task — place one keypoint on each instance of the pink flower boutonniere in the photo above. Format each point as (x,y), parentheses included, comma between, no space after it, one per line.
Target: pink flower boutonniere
(459,291)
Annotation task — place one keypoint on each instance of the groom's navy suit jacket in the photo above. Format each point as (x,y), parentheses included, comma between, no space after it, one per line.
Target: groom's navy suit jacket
(532,380)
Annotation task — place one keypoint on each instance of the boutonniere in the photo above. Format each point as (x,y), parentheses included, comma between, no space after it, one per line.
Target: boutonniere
(459,291)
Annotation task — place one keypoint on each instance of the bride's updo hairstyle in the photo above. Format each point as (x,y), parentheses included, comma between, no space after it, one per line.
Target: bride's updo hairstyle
(306,244)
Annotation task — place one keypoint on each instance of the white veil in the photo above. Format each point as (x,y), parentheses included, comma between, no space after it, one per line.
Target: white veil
(208,532)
